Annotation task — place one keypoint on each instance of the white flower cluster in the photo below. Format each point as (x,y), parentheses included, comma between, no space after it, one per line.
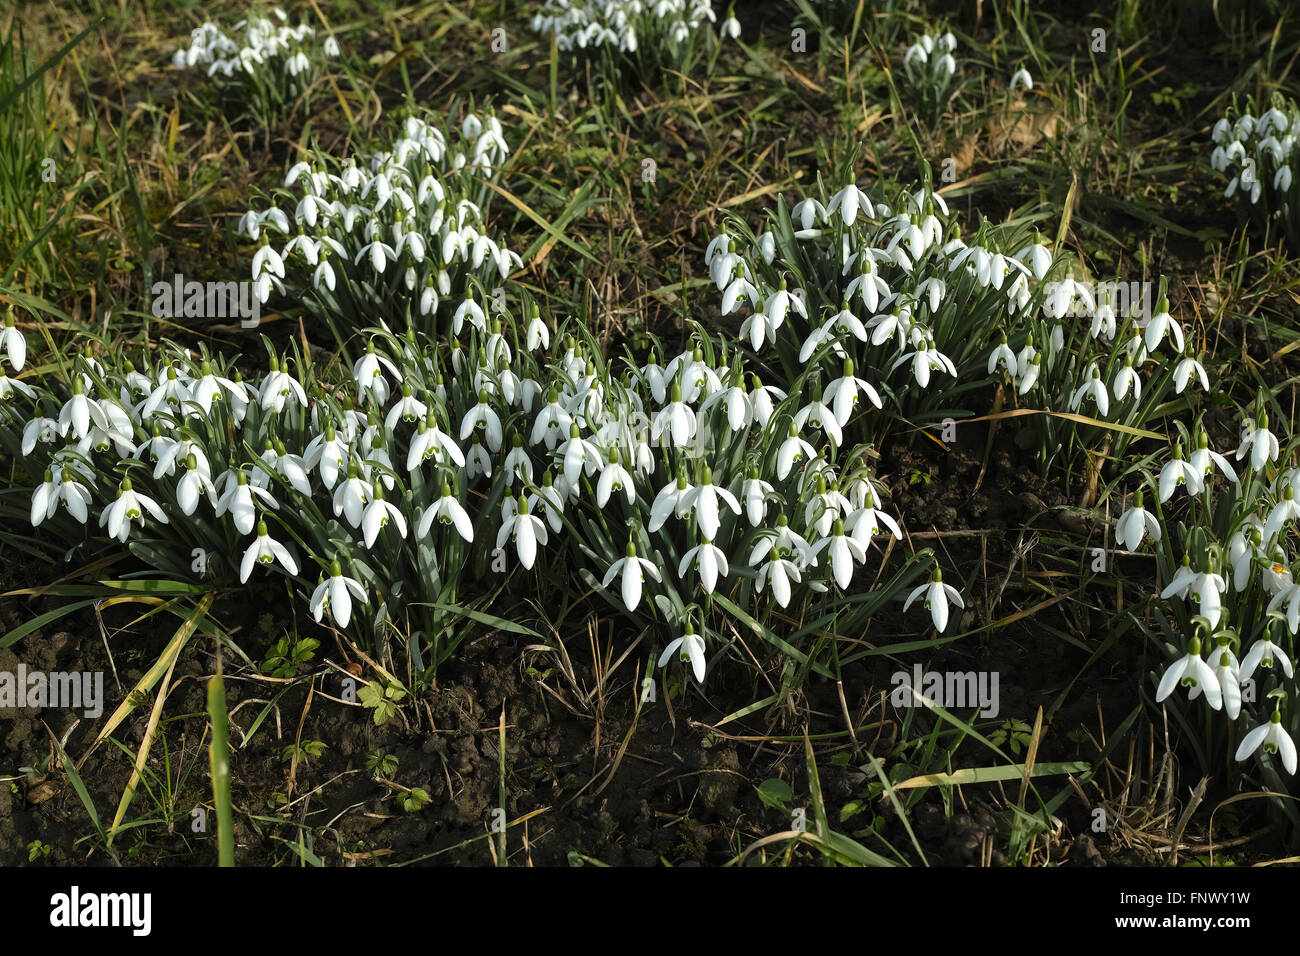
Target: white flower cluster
(394,235)
(1238,571)
(623,25)
(898,289)
(897,274)
(1256,153)
(266,48)
(707,469)
(931,71)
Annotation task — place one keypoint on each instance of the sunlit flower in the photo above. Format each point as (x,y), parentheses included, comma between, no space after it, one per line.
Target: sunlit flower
(938,596)
(447,511)
(1191,671)
(1135,524)
(265,550)
(633,571)
(130,505)
(1273,739)
(691,650)
(336,593)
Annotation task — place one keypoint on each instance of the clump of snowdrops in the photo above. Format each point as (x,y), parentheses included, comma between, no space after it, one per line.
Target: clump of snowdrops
(400,234)
(931,73)
(887,313)
(637,37)
(684,491)
(263,65)
(1222,528)
(1255,153)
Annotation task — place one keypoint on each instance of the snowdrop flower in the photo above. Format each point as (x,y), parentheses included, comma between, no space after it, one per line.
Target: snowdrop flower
(669,502)
(378,514)
(924,360)
(1229,682)
(842,394)
(336,593)
(1203,459)
(692,651)
(866,521)
(614,478)
(843,550)
(633,571)
(1162,324)
(675,420)
(1002,355)
(708,560)
(1021,79)
(12,341)
(130,505)
(739,287)
(447,511)
(825,505)
(703,501)
(777,575)
(808,212)
(517,463)
(327,452)
(759,328)
(278,387)
(1284,512)
(1093,388)
(265,550)
(1127,378)
(1206,589)
(238,501)
(408,409)
(763,400)
(848,201)
(539,334)
(1262,654)
(1191,671)
(1030,375)
(735,405)
(579,455)
(369,375)
(1289,596)
(79,413)
(1135,524)
(482,418)
(39,429)
(938,596)
(818,415)
(552,422)
(755,491)
(787,542)
(430,442)
(1103,322)
(194,482)
(700,379)
(526,530)
(1183,373)
(1178,472)
(1243,549)
(549,499)
(57,488)
(730,28)
(1258,442)
(1273,739)
(266,261)
(1181,581)
(793,450)
(292,468)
